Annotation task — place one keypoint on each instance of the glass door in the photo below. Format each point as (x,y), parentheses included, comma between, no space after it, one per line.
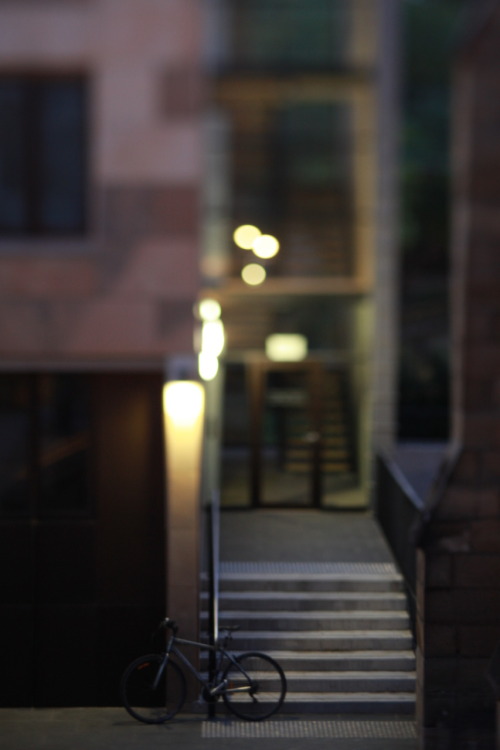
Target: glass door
(286,435)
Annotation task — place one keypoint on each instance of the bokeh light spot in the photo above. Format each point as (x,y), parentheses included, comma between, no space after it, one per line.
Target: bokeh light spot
(245,235)
(253,274)
(265,246)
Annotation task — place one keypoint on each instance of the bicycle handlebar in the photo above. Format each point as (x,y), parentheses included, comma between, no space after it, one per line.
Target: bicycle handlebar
(167,623)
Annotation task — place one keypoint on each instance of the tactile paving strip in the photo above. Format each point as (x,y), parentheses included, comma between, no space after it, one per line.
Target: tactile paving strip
(307,568)
(304,729)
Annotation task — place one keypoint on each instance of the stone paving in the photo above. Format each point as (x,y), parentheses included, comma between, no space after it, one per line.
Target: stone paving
(112,728)
(301,536)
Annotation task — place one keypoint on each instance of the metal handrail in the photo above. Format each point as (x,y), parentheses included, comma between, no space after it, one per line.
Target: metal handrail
(399,511)
(213,530)
(213,552)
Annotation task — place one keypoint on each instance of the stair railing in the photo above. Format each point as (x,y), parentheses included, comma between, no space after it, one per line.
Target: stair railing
(213,534)
(399,509)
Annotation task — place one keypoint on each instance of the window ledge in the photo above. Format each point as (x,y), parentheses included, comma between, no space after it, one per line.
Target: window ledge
(47,246)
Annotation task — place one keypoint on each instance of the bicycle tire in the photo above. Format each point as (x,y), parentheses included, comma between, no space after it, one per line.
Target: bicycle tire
(145,702)
(266,691)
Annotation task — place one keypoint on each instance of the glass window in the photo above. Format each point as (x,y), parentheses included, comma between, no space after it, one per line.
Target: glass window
(235,432)
(63,407)
(16,477)
(293,176)
(44,445)
(42,154)
(316,138)
(289,33)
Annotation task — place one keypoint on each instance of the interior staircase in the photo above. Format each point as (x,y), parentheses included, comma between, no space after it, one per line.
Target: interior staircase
(337,445)
(340,631)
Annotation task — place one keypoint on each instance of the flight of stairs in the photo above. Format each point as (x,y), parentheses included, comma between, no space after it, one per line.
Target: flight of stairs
(337,452)
(339,630)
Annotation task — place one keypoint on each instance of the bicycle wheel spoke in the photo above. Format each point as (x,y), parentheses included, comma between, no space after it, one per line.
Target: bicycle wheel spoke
(256,687)
(152,691)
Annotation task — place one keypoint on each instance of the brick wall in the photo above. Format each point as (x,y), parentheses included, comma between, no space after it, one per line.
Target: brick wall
(102,296)
(459,563)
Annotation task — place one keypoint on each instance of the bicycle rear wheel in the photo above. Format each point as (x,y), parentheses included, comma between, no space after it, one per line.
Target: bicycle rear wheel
(256,686)
(149,695)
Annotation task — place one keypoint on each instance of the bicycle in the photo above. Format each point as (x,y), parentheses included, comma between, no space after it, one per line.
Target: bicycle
(153,687)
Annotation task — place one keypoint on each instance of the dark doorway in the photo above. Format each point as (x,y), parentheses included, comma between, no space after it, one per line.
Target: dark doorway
(81,532)
(289,436)
(285,434)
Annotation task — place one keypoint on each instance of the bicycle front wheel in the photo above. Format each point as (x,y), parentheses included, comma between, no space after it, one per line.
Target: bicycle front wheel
(256,686)
(151,690)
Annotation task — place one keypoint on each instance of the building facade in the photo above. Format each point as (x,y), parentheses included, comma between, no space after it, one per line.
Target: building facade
(458,618)
(135,137)
(301,139)
(101,142)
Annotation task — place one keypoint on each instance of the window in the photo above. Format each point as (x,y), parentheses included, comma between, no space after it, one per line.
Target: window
(293,176)
(42,155)
(44,444)
(289,34)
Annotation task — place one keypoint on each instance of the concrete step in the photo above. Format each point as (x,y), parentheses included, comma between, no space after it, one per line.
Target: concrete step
(349,703)
(354,640)
(340,632)
(313,621)
(310,600)
(338,661)
(350,682)
(328,582)
(340,682)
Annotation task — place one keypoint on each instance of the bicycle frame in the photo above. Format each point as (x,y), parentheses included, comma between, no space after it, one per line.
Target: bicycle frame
(252,684)
(211,689)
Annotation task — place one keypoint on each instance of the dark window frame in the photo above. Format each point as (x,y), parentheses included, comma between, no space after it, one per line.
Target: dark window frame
(255,45)
(34,156)
(51,470)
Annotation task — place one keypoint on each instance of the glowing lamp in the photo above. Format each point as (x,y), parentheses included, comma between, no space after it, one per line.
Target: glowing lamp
(286,347)
(184,407)
(208,366)
(212,337)
(183,402)
(209,309)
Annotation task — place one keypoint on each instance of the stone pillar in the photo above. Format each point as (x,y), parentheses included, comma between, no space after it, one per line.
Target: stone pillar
(458,624)
(387,243)
(184,403)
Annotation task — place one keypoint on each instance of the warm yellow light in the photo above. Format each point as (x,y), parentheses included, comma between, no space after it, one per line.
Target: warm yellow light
(265,246)
(253,274)
(245,235)
(286,347)
(208,366)
(183,402)
(212,337)
(209,309)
